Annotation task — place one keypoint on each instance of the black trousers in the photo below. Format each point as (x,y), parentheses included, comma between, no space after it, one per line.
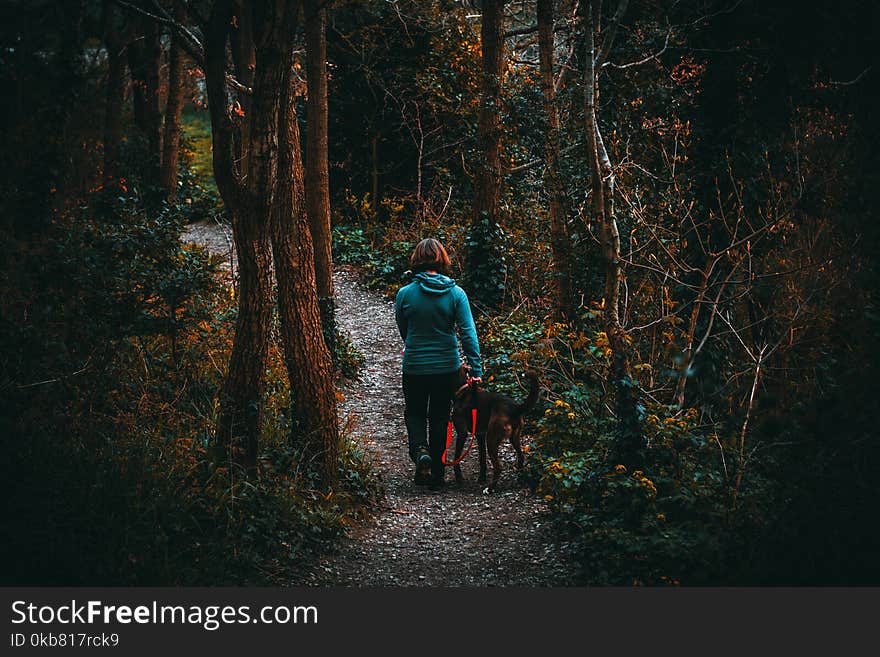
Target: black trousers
(428,400)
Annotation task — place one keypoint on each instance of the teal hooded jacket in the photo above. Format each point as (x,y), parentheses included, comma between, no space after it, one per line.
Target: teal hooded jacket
(427,311)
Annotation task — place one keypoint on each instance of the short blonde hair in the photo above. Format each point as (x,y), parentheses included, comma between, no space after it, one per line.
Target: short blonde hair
(429,254)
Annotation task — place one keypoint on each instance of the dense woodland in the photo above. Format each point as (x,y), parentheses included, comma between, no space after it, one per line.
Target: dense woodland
(667,209)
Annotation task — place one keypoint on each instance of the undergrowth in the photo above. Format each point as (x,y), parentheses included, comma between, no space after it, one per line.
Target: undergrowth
(116,337)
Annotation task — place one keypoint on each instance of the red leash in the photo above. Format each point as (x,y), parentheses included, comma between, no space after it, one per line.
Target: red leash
(449,440)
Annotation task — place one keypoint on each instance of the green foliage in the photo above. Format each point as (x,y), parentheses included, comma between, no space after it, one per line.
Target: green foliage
(432,66)
(154,513)
(351,245)
(384,265)
(663,524)
(486,246)
(348,358)
(197,148)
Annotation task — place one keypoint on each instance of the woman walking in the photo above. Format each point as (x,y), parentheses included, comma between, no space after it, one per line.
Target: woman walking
(428,311)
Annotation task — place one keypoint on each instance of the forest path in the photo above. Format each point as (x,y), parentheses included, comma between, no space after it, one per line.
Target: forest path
(457,537)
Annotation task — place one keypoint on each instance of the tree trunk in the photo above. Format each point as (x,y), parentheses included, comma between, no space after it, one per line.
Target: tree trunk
(308,361)
(241,398)
(144,61)
(486,268)
(630,442)
(241,402)
(116,46)
(269,207)
(317,182)
(558,203)
(173,109)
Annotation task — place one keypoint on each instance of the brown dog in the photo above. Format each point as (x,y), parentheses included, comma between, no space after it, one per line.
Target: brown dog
(498,418)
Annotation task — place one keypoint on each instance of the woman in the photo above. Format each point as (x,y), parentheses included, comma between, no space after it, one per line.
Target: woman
(428,310)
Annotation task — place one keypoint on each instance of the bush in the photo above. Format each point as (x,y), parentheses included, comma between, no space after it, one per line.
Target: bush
(348,358)
(662,524)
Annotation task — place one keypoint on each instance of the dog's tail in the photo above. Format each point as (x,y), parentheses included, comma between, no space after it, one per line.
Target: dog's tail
(530,401)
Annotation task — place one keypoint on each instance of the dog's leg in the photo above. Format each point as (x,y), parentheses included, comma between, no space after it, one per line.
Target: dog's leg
(498,430)
(517,446)
(481,444)
(459,447)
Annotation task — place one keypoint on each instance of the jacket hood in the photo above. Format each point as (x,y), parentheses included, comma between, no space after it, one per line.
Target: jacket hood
(434,283)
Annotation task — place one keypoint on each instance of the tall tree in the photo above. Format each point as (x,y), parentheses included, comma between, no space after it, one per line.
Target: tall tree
(486,266)
(306,356)
(602,189)
(173,107)
(558,202)
(317,183)
(241,399)
(267,206)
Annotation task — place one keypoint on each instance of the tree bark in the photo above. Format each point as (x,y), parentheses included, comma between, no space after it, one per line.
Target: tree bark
(485,259)
(488,187)
(317,181)
(173,108)
(558,203)
(630,441)
(306,356)
(241,403)
(225,148)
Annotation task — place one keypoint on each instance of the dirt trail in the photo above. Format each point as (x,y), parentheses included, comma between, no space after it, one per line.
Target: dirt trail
(456,537)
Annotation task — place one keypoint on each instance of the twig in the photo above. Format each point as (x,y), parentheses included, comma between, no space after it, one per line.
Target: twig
(188,40)
(534,163)
(644,60)
(58,379)
(855,80)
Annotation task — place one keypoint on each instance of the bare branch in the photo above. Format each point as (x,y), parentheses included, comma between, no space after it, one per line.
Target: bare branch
(645,60)
(187,39)
(561,26)
(608,40)
(535,163)
(855,80)
(563,66)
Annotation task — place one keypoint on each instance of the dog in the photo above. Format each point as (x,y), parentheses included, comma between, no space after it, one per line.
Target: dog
(498,418)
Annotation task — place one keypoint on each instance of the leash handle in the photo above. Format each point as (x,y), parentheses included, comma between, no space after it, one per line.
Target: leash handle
(470,381)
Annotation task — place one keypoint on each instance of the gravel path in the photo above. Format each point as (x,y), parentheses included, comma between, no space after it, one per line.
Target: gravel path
(456,537)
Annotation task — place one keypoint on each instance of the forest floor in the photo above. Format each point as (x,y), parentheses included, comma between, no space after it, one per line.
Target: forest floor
(459,536)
